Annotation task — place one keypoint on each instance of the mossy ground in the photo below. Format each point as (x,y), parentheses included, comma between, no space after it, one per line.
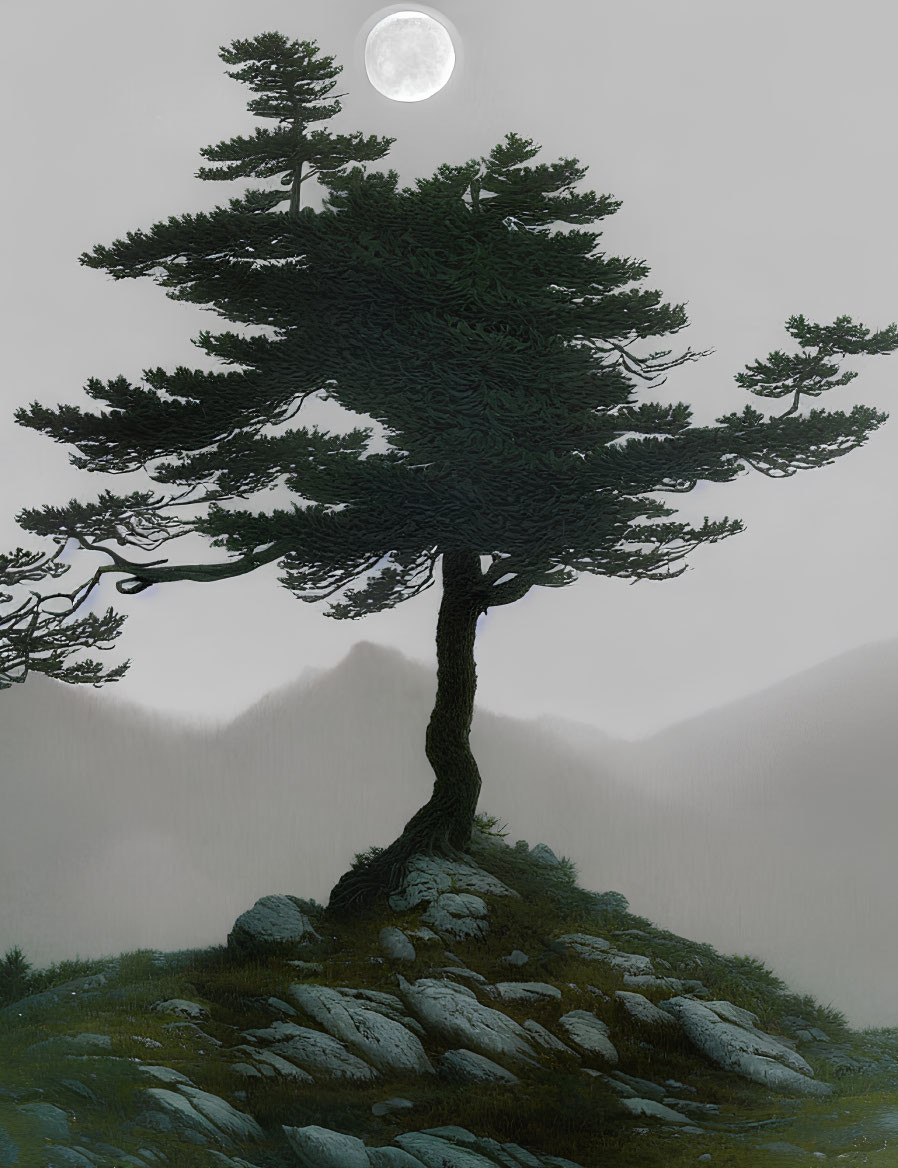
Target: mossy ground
(557,1110)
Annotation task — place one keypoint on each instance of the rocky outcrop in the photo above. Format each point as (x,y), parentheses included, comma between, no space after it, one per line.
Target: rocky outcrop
(729,1037)
(447,1024)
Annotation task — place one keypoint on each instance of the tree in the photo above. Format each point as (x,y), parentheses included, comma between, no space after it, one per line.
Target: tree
(36,641)
(14,971)
(496,352)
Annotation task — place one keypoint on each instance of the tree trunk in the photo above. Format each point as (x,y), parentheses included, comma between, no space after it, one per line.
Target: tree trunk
(443,825)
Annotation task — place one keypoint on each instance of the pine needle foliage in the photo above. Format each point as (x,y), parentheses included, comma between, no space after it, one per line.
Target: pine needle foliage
(476,318)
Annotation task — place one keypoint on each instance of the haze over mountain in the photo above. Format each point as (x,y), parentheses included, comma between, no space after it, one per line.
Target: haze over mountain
(763,827)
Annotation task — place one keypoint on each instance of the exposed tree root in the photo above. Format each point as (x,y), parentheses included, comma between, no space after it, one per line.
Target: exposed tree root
(427,833)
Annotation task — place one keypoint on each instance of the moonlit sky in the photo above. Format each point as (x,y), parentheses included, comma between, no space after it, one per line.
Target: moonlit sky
(753,149)
(409,56)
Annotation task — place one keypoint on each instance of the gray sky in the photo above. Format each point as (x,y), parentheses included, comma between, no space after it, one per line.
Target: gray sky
(752,147)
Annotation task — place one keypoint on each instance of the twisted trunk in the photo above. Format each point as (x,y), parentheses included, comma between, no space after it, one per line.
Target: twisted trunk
(443,825)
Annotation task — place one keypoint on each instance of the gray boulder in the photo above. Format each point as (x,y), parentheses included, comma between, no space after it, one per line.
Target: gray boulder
(590,1033)
(638,1106)
(428,876)
(396,944)
(170,1111)
(467,1066)
(48,1121)
(317,1147)
(319,1054)
(453,1013)
(381,1041)
(272,919)
(642,1010)
(599,949)
(458,915)
(526,991)
(740,1047)
(544,855)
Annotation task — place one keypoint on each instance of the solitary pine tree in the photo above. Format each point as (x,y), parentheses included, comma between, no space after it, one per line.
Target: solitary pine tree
(495,352)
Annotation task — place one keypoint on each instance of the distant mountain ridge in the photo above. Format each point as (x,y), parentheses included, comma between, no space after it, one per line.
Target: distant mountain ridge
(765,826)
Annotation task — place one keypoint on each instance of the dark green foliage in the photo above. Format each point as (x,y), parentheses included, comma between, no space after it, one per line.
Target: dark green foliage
(492,345)
(492,348)
(14,978)
(37,641)
(360,859)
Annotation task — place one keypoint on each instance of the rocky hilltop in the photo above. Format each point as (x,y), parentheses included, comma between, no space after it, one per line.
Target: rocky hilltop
(490,1014)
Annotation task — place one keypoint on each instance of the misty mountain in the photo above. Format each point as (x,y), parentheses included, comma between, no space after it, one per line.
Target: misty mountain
(765,826)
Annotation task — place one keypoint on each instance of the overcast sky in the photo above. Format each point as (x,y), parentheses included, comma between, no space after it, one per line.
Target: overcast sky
(753,149)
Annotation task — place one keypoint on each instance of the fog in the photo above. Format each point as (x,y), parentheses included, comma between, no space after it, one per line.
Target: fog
(763,827)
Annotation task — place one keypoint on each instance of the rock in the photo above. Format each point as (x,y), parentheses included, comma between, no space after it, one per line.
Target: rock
(436,1152)
(318,1054)
(783,1148)
(393,1158)
(673,984)
(225,1117)
(317,1147)
(740,1047)
(467,1066)
(526,991)
(692,1106)
(426,877)
(423,933)
(396,944)
(201,1037)
(436,1025)
(622,1089)
(164,1074)
(78,1088)
(282,1007)
(85,988)
(544,855)
(49,1121)
(181,1007)
(453,1013)
(170,1111)
(590,1033)
(397,1103)
(381,1041)
(270,1064)
(272,919)
(598,949)
(310,967)
(69,1044)
(641,1086)
(642,1010)
(546,1039)
(59,1156)
(638,1106)
(585,944)
(458,915)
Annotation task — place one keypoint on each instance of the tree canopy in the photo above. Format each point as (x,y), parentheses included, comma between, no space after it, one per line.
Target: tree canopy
(476,318)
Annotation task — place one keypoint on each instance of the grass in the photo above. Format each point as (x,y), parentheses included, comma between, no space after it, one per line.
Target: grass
(556,1109)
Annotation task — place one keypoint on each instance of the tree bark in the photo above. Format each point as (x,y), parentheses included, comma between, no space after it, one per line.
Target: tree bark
(443,825)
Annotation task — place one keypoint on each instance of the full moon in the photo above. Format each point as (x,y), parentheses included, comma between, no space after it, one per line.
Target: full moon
(409,56)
